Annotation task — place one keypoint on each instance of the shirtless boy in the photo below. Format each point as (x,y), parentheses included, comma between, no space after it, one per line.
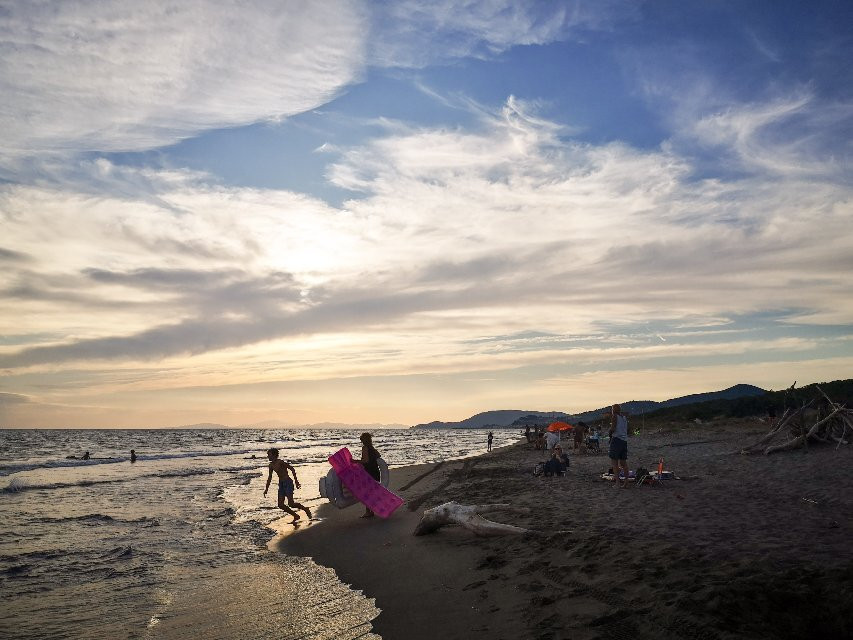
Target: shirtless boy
(285,484)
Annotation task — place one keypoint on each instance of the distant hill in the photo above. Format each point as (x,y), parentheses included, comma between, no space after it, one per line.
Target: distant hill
(500,418)
(840,391)
(640,407)
(511,418)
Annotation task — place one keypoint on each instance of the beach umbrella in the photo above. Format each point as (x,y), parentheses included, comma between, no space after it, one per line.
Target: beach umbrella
(560,426)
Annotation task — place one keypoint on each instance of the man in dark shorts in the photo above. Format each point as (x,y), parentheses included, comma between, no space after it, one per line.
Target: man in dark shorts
(618,444)
(285,484)
(579,435)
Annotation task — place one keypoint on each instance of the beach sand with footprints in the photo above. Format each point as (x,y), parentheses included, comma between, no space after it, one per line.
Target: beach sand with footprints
(738,547)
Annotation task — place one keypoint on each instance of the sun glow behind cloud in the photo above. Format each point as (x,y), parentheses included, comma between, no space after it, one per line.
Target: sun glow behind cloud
(509,260)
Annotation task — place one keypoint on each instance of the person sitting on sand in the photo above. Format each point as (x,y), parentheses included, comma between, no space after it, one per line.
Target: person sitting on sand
(370,461)
(618,444)
(557,464)
(85,456)
(592,442)
(285,484)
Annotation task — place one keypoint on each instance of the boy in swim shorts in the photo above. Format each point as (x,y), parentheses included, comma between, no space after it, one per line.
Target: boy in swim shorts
(285,484)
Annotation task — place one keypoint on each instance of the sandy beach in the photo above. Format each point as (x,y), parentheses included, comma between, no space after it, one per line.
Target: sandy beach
(739,547)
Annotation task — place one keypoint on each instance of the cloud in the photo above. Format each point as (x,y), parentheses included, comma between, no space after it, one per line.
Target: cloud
(760,118)
(127,76)
(13,398)
(413,34)
(787,136)
(9,255)
(124,75)
(459,234)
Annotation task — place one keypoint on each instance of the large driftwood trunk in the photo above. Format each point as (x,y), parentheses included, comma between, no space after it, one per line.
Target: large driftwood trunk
(469,517)
(832,424)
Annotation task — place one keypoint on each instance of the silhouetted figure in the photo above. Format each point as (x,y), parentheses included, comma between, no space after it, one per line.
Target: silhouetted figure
(285,484)
(132,456)
(370,461)
(85,456)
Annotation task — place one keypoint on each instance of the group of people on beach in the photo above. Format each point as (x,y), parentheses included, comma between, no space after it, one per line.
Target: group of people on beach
(557,462)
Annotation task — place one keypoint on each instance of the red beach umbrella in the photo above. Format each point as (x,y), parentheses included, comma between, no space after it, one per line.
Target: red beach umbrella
(560,426)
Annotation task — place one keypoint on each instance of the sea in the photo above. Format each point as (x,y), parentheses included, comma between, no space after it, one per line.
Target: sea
(178,543)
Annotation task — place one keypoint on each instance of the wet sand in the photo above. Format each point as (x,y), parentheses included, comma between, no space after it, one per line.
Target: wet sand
(740,547)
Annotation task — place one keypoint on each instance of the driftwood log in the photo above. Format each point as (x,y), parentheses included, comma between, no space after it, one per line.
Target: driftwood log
(833,424)
(469,517)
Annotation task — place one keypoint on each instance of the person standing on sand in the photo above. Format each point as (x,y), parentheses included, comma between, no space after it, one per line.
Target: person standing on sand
(285,484)
(370,461)
(618,444)
(552,439)
(489,441)
(578,434)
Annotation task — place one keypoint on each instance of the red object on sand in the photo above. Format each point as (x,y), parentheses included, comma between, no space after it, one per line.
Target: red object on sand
(660,468)
(560,426)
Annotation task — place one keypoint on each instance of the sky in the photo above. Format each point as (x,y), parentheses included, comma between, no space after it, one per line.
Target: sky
(273,211)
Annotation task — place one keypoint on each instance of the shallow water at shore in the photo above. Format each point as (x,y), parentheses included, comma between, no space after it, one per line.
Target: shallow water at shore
(103,548)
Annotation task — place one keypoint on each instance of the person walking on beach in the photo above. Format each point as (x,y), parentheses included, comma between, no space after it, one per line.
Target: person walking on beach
(489,441)
(285,484)
(370,461)
(618,444)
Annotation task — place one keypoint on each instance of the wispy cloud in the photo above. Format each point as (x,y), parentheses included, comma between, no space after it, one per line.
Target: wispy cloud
(453,224)
(413,34)
(123,75)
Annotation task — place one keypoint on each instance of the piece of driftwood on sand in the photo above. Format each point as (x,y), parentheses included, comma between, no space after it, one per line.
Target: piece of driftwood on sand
(833,423)
(469,517)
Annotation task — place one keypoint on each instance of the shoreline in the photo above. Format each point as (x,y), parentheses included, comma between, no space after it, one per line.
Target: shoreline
(415,581)
(733,550)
